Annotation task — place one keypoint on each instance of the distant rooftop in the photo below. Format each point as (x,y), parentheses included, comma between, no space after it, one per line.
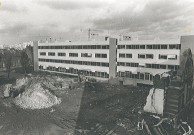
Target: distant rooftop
(126,40)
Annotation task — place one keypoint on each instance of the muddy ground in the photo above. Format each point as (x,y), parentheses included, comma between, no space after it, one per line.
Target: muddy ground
(100,109)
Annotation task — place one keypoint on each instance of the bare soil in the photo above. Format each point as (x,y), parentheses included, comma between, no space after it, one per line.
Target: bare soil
(97,109)
(101,109)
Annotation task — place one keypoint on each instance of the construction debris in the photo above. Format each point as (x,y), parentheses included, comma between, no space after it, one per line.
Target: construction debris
(21,82)
(7,90)
(37,93)
(155,101)
(36,97)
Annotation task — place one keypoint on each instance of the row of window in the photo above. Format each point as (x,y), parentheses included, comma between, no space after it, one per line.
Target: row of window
(86,55)
(90,63)
(163,46)
(149,56)
(154,66)
(101,55)
(73,54)
(128,74)
(75,71)
(142,76)
(128,64)
(61,54)
(75,47)
(171,46)
(52,54)
(43,53)
(169,56)
(121,55)
(97,55)
(145,56)
(125,55)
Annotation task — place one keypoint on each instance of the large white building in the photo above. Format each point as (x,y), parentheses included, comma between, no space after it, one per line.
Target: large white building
(130,61)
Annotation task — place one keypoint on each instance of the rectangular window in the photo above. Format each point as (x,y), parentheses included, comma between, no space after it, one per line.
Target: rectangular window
(134,64)
(128,47)
(128,55)
(171,67)
(164,46)
(148,65)
(162,56)
(127,73)
(142,46)
(104,55)
(136,46)
(176,67)
(98,46)
(121,55)
(179,46)
(128,64)
(104,64)
(162,66)
(93,63)
(121,46)
(133,47)
(89,47)
(105,47)
(149,56)
(172,57)
(141,76)
(80,47)
(84,46)
(149,46)
(156,46)
(51,54)
(172,46)
(134,76)
(151,77)
(93,47)
(86,55)
(156,66)
(43,53)
(147,75)
(97,63)
(73,54)
(122,74)
(141,56)
(121,63)
(99,55)
(61,54)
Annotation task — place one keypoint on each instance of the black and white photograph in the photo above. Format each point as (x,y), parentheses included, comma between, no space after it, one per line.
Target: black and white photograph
(96,67)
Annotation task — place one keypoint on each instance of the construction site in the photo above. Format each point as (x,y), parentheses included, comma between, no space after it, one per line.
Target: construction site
(52,104)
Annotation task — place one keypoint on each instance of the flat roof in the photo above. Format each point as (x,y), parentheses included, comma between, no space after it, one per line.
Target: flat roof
(124,42)
(143,42)
(75,43)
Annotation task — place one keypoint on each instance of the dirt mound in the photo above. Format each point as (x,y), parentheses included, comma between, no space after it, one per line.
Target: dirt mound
(21,82)
(35,96)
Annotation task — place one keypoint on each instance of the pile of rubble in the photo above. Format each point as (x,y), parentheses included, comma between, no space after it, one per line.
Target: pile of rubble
(36,95)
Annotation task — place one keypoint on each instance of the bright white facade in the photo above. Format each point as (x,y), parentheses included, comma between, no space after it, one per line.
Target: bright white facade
(137,60)
(70,57)
(141,60)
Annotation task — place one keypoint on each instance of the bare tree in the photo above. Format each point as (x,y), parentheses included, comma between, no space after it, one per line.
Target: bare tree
(25,62)
(8,62)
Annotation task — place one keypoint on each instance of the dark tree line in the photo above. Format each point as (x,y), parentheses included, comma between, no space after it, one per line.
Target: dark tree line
(25,61)
(9,56)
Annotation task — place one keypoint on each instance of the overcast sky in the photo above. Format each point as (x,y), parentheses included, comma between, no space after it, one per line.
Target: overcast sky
(24,20)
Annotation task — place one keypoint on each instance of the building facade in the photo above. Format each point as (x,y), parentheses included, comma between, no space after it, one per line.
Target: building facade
(130,61)
(138,61)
